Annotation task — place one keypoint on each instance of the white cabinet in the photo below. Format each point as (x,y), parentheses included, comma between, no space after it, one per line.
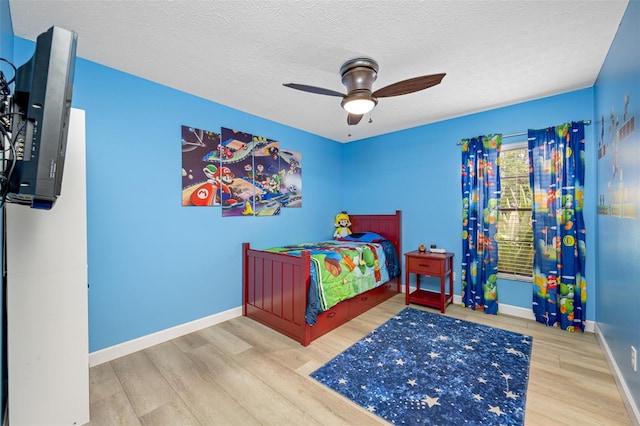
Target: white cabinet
(47,318)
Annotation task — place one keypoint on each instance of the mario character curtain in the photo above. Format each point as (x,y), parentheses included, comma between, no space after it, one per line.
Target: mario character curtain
(480,205)
(556,160)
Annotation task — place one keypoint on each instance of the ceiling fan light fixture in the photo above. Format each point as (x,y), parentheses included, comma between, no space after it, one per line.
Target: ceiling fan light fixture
(359,103)
(358,76)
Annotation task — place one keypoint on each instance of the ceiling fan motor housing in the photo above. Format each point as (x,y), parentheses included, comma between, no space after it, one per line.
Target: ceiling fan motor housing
(359,74)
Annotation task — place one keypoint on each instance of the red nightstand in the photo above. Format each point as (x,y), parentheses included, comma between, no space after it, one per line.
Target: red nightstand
(434,265)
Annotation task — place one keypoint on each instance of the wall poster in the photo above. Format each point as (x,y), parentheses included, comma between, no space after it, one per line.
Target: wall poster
(618,169)
(199,163)
(244,174)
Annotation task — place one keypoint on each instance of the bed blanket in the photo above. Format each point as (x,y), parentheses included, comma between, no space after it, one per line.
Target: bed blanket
(341,270)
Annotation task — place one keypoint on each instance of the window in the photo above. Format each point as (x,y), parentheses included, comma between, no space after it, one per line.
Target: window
(515,234)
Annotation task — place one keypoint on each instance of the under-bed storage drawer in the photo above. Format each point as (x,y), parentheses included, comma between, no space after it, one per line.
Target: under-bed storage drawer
(424,266)
(340,312)
(382,292)
(330,319)
(363,302)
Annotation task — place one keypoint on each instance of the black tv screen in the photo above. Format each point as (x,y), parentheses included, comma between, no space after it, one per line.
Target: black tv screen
(41,107)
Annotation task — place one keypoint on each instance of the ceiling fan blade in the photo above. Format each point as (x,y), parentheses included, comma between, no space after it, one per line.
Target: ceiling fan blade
(313,89)
(353,119)
(409,86)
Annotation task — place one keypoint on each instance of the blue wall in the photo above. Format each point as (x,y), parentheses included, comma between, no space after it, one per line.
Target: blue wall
(618,251)
(418,172)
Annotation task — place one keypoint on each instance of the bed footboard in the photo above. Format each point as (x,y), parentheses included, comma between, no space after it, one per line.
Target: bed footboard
(275,288)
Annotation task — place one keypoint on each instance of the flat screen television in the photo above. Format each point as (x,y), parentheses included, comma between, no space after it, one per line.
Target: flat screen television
(41,107)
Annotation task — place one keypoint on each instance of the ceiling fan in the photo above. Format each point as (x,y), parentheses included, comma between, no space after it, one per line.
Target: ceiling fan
(358,75)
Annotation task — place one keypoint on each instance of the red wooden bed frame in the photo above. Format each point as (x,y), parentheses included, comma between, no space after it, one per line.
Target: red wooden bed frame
(275,286)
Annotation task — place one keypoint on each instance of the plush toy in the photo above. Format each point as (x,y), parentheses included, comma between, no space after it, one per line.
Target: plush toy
(342,225)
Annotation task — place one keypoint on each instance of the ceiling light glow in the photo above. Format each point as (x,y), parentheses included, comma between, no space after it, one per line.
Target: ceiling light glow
(359,104)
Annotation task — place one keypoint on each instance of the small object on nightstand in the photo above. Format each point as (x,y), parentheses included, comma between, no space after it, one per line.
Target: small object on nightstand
(422,248)
(437,250)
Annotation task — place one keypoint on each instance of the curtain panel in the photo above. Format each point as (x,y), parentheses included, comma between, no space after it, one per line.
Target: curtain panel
(556,160)
(480,208)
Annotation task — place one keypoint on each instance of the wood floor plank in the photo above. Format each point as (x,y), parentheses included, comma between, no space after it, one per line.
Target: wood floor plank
(265,404)
(324,405)
(145,387)
(208,402)
(172,414)
(240,372)
(596,398)
(103,382)
(190,341)
(565,411)
(113,410)
(221,338)
(256,334)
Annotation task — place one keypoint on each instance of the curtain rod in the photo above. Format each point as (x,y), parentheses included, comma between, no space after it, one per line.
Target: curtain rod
(512,135)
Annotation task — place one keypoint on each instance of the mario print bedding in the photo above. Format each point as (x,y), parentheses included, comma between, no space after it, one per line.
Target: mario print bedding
(341,270)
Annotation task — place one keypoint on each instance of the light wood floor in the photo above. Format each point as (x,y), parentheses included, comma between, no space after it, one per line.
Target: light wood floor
(242,373)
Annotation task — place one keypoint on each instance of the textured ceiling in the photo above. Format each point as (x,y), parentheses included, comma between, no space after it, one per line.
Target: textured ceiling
(239,53)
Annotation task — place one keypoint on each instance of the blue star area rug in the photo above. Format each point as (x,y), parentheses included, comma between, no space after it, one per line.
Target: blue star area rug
(426,368)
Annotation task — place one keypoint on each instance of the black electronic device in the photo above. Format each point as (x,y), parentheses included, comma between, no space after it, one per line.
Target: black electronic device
(41,107)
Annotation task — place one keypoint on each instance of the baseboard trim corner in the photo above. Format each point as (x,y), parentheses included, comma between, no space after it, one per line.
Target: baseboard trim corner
(108,354)
(625,392)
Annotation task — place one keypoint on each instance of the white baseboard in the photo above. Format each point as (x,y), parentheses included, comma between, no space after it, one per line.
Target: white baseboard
(632,409)
(515,311)
(131,346)
(126,348)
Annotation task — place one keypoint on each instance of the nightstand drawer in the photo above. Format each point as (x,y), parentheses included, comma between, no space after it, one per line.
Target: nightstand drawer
(424,266)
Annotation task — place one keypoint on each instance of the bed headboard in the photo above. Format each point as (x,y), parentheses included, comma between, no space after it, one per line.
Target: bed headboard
(387,225)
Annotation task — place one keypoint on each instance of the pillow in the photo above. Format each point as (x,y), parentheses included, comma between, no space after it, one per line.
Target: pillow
(364,237)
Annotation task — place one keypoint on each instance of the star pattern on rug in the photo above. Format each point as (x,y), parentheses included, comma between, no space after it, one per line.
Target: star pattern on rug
(510,394)
(431,369)
(430,401)
(496,410)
